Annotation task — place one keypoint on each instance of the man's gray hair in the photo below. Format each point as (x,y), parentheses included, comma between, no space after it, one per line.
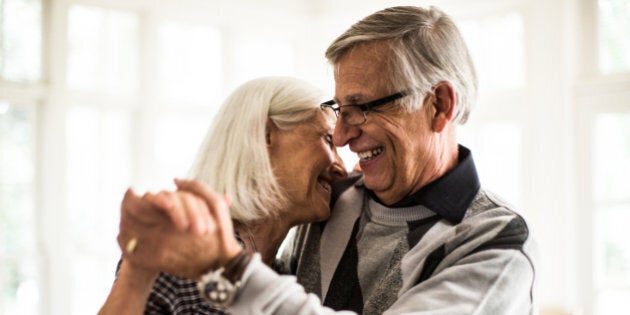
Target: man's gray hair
(426,48)
(234,159)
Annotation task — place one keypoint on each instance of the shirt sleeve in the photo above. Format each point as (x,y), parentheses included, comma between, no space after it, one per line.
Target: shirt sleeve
(265,292)
(489,282)
(496,281)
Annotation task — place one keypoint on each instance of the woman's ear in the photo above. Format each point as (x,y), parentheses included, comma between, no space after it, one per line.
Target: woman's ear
(444,105)
(270,128)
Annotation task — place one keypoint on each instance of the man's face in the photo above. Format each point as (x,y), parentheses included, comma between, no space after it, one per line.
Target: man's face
(395,148)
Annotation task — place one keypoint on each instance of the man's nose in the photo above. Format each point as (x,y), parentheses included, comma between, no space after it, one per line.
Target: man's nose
(343,133)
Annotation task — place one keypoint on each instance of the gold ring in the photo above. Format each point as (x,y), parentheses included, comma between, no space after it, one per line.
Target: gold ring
(131,245)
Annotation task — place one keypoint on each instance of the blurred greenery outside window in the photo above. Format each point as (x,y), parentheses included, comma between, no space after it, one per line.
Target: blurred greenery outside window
(611,151)
(614,42)
(20,64)
(612,212)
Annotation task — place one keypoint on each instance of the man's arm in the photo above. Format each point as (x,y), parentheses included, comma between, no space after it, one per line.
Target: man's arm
(494,281)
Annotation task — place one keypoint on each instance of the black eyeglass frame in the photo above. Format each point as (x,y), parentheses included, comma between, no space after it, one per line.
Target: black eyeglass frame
(366,106)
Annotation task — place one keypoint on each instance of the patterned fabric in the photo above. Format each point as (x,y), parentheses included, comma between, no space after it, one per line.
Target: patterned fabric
(178,296)
(173,295)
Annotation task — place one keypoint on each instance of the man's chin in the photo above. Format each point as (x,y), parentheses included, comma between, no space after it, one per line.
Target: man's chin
(372,183)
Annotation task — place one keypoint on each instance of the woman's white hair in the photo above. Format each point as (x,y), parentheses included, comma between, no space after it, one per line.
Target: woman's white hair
(426,48)
(234,159)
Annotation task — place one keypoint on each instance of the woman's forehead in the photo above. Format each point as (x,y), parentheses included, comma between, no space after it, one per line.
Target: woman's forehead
(325,120)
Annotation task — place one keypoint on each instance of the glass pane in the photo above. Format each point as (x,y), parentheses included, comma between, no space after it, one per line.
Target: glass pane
(612,246)
(18,282)
(20,40)
(99,159)
(99,168)
(614,42)
(262,58)
(611,154)
(189,62)
(497,45)
(496,149)
(611,302)
(19,293)
(611,157)
(177,138)
(102,50)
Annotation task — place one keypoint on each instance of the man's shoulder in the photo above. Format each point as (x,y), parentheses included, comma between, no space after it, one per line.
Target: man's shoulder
(485,201)
(490,214)
(342,185)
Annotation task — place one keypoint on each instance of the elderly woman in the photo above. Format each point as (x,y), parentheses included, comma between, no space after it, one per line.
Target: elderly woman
(268,156)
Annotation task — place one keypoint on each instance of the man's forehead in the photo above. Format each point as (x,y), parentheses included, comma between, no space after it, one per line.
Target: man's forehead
(361,74)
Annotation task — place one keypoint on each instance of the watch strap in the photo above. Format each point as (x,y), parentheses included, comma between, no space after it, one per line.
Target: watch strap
(219,287)
(235,268)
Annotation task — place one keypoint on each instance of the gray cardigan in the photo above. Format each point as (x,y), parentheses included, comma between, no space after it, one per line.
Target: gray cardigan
(431,254)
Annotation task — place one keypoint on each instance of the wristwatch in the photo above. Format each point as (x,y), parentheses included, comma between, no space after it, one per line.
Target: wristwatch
(219,287)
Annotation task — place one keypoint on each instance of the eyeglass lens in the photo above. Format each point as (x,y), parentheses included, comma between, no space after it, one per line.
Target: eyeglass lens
(351,115)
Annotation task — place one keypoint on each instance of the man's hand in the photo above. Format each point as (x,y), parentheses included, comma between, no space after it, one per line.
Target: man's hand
(183,233)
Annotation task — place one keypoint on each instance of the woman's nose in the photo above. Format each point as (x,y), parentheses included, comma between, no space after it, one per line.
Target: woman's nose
(338,171)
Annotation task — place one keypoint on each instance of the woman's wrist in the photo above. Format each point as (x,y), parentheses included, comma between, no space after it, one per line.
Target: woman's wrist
(138,277)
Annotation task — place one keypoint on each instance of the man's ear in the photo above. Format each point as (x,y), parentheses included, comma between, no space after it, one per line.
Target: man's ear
(444,105)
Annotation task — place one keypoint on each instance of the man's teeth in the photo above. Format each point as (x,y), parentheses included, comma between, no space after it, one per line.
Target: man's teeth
(366,155)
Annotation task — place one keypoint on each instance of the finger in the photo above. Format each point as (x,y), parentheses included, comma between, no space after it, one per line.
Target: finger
(129,207)
(160,199)
(210,197)
(217,204)
(168,203)
(129,200)
(197,211)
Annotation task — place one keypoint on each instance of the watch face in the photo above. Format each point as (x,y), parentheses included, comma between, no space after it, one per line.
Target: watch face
(216,290)
(219,290)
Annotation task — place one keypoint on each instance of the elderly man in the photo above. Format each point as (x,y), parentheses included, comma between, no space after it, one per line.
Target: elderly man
(414,232)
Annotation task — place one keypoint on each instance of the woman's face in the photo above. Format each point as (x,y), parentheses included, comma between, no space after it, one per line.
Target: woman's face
(305,164)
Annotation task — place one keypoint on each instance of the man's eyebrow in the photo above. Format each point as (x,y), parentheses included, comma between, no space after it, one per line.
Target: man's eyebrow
(350,99)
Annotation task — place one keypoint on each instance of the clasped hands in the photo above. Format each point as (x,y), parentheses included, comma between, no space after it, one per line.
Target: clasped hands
(185,233)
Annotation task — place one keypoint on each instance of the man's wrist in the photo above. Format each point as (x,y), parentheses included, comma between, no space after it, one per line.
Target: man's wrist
(219,287)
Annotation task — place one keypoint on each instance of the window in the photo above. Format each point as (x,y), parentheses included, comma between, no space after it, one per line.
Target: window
(263,57)
(612,212)
(20,40)
(18,258)
(102,69)
(497,46)
(189,62)
(102,50)
(614,42)
(20,63)
(496,148)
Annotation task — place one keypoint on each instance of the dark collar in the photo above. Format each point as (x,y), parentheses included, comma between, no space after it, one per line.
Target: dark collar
(450,195)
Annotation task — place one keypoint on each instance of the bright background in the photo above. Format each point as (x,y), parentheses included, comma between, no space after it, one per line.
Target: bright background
(98,95)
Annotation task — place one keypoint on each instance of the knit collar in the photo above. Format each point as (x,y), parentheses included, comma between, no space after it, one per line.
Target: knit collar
(450,195)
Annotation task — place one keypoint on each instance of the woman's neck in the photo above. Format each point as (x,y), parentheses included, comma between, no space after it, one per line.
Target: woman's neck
(263,236)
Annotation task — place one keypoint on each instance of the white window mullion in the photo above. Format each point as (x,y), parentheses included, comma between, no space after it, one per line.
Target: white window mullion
(55,256)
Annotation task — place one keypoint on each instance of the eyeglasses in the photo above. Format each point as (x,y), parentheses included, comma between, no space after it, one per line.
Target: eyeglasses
(355,114)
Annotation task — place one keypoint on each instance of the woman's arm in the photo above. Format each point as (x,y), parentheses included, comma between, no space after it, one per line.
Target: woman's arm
(130,291)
